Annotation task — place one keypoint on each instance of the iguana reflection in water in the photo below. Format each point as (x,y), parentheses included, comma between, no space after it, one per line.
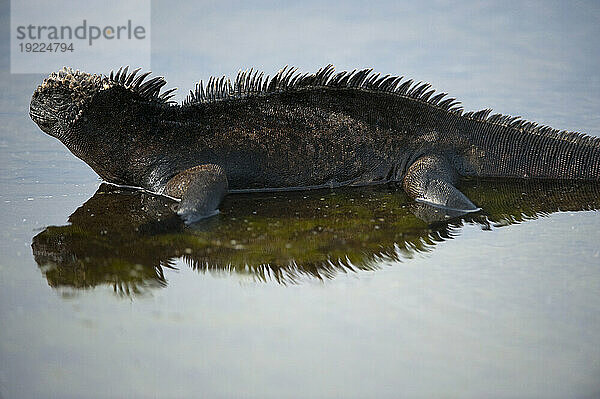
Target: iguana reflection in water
(126,239)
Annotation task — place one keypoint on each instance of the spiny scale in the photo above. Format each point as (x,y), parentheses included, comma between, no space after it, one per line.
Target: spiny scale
(149,89)
(252,82)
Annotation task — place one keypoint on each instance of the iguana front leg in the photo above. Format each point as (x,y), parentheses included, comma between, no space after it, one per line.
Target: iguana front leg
(431,179)
(201,190)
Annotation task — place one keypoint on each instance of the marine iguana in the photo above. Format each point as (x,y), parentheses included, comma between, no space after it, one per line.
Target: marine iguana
(296,131)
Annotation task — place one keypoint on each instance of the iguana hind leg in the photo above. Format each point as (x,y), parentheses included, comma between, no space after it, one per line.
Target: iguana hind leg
(201,190)
(431,179)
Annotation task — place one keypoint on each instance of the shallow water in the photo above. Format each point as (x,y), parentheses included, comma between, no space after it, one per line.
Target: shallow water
(343,293)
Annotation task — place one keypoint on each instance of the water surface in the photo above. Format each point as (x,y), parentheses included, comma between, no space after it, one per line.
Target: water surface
(344,293)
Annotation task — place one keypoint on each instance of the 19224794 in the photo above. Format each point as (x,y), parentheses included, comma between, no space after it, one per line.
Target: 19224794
(50,47)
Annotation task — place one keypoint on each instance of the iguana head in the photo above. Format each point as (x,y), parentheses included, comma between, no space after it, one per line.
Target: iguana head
(62,99)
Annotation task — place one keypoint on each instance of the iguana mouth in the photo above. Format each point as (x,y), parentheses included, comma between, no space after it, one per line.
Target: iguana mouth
(40,119)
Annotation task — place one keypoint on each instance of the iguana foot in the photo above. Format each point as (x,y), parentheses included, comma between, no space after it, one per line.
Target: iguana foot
(201,190)
(431,180)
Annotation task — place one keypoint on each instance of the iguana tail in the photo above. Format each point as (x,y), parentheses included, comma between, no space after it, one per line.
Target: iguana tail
(515,148)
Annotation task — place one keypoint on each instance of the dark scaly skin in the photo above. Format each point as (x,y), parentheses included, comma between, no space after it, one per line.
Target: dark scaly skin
(191,184)
(278,141)
(310,136)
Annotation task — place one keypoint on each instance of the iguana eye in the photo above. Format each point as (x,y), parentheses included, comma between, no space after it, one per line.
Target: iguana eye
(60,100)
